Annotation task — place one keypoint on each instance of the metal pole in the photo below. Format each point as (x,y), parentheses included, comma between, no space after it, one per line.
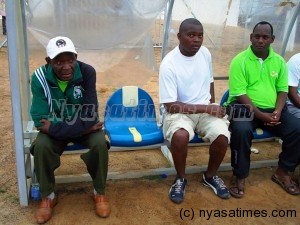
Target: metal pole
(18,65)
(289,29)
(166,27)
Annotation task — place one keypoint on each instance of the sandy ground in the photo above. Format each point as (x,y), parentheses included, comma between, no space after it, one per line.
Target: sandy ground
(144,200)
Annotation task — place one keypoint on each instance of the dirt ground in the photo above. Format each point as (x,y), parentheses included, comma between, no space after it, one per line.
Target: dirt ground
(144,200)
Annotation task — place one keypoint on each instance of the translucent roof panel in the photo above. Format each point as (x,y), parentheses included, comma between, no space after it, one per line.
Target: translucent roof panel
(105,33)
(229,23)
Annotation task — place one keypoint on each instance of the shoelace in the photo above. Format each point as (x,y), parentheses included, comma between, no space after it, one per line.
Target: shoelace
(178,186)
(219,181)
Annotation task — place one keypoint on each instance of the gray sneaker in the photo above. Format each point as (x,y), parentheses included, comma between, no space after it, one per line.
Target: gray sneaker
(217,185)
(177,190)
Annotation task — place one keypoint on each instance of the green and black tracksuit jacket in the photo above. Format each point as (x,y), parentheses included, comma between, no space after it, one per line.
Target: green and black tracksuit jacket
(72,111)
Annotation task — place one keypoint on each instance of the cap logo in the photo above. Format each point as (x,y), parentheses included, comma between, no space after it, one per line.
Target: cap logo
(60,43)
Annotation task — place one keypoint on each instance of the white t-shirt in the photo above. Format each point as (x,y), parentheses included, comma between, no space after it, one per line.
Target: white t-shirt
(186,79)
(293,66)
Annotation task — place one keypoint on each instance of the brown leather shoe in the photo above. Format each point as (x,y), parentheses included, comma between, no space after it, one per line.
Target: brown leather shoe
(102,205)
(44,212)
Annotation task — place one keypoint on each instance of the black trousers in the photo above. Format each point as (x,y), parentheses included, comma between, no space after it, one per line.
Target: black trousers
(242,125)
(4,25)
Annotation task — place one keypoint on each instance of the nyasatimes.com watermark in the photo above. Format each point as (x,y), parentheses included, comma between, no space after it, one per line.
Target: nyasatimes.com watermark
(143,111)
(193,214)
(70,113)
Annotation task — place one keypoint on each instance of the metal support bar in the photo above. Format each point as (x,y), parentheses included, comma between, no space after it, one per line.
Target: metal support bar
(3,43)
(166,27)
(18,60)
(158,172)
(289,29)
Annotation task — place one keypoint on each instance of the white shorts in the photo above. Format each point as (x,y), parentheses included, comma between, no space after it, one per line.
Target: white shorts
(207,126)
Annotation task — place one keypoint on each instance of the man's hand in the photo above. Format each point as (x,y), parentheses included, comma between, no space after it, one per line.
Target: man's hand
(270,119)
(276,116)
(216,110)
(45,127)
(93,128)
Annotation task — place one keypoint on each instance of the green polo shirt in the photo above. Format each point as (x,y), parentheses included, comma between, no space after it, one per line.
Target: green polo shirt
(259,79)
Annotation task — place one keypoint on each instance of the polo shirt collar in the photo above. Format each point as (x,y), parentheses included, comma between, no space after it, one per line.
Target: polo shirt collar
(254,57)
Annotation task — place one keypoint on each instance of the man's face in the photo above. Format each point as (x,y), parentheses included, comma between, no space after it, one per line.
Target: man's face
(190,39)
(261,39)
(64,65)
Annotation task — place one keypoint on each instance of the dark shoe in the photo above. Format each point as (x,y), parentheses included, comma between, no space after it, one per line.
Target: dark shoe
(177,190)
(287,184)
(44,212)
(237,188)
(217,185)
(102,205)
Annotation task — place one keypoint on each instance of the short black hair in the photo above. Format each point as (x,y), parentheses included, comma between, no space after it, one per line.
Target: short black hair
(263,23)
(184,23)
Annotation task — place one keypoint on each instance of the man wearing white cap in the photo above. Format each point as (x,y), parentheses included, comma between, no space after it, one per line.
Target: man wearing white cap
(65,109)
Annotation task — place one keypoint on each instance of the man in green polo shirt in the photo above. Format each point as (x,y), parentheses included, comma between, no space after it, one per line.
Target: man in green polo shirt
(258,86)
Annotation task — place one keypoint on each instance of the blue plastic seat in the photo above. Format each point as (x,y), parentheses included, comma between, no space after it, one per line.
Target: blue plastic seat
(74,147)
(196,139)
(130,119)
(258,133)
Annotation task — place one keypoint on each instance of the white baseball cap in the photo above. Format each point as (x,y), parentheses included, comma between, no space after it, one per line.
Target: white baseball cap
(59,45)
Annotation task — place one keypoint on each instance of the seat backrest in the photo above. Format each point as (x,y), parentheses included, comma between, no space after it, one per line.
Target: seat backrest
(224,98)
(130,104)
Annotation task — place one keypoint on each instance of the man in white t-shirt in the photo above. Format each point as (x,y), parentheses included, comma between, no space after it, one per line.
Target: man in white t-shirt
(186,90)
(293,102)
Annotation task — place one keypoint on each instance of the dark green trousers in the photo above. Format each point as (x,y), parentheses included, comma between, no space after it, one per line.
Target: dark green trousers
(47,152)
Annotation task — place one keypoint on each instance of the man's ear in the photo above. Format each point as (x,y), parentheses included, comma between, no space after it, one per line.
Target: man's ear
(47,60)
(273,38)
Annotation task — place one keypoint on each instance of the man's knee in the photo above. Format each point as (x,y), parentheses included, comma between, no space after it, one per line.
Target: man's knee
(241,128)
(100,144)
(181,136)
(221,140)
(39,145)
(97,140)
(182,133)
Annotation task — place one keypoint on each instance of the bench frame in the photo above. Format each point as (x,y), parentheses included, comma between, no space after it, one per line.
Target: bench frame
(30,133)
